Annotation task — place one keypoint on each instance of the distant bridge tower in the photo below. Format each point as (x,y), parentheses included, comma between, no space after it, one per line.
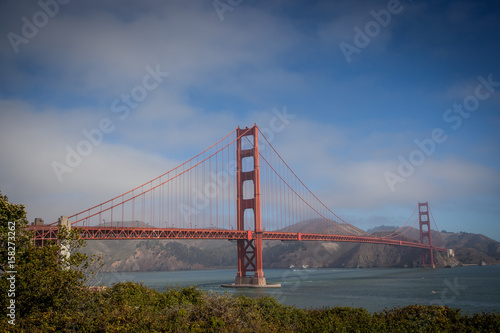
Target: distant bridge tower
(249,250)
(425,232)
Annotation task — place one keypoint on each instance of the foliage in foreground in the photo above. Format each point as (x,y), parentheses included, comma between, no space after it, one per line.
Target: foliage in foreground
(35,280)
(130,307)
(51,298)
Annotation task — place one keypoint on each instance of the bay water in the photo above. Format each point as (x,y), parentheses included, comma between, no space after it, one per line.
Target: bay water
(472,288)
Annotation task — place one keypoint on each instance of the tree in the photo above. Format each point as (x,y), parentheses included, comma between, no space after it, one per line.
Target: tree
(13,224)
(43,279)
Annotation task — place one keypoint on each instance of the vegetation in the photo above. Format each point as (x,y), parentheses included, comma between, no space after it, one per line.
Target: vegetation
(130,307)
(49,297)
(38,280)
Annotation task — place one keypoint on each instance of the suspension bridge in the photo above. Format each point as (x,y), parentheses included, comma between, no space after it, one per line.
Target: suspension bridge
(240,189)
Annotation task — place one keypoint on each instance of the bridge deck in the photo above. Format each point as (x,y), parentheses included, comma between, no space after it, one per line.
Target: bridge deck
(46,233)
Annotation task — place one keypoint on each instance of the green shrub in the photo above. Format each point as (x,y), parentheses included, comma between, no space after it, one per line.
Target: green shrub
(52,299)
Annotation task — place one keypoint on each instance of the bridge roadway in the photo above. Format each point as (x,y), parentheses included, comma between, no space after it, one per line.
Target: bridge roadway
(46,233)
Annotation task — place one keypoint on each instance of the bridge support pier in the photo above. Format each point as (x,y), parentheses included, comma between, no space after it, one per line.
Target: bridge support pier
(249,256)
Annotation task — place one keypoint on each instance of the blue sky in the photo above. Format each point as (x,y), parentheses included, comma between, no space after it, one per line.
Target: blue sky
(356,116)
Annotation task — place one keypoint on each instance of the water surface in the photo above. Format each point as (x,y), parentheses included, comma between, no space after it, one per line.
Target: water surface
(472,288)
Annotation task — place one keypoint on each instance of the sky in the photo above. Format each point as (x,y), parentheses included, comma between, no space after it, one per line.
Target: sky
(379,104)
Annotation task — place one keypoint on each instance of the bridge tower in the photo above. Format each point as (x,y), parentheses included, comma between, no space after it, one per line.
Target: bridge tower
(425,232)
(249,250)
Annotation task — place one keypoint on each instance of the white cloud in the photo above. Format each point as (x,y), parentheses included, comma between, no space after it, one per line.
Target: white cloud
(88,55)
(320,156)
(109,55)
(32,140)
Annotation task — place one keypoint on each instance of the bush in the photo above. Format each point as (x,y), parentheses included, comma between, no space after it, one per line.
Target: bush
(51,298)
(131,307)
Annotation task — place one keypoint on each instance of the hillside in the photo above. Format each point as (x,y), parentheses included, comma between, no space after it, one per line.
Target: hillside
(166,255)
(470,249)
(163,255)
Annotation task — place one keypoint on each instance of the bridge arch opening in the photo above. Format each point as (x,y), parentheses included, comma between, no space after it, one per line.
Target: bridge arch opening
(248,142)
(248,189)
(247,164)
(249,219)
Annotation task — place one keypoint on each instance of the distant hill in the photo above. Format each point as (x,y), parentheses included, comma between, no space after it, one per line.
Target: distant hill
(166,255)
(382,228)
(163,255)
(469,248)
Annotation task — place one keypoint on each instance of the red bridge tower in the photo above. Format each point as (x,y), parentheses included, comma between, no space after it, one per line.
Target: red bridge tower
(425,233)
(249,250)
